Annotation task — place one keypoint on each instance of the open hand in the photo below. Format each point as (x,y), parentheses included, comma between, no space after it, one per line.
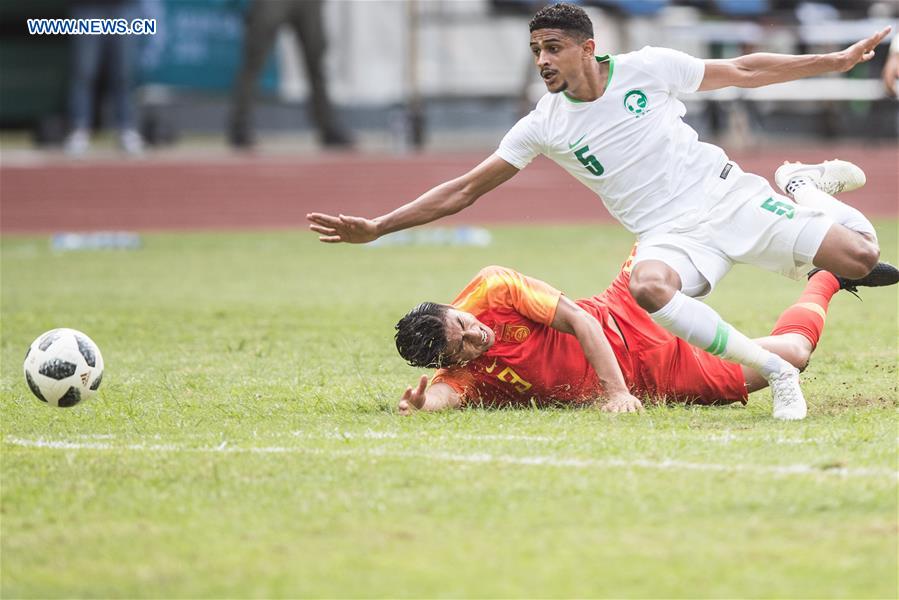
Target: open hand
(622,403)
(413,400)
(863,50)
(333,230)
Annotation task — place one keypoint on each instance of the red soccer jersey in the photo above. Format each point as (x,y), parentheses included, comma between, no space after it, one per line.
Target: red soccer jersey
(531,362)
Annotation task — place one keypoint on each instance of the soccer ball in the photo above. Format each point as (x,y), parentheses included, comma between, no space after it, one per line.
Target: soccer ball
(63,367)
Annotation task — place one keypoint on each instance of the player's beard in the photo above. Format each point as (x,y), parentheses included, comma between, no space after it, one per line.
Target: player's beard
(562,86)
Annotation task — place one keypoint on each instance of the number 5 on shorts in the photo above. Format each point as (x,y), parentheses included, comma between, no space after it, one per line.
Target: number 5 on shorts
(779,208)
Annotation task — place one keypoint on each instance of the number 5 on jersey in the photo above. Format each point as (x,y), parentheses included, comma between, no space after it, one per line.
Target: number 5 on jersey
(589,161)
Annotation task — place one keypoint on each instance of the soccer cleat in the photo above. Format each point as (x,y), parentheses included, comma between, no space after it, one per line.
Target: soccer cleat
(830,176)
(882,275)
(789,403)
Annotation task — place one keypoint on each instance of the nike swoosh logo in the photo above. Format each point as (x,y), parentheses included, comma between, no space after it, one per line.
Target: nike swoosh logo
(814,168)
(571,146)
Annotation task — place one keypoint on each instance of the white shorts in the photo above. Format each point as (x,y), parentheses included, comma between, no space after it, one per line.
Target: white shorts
(745,222)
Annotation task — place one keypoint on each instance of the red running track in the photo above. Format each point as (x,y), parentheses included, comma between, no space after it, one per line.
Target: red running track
(277,192)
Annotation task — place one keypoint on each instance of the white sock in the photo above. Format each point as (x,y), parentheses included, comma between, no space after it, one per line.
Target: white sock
(804,192)
(699,325)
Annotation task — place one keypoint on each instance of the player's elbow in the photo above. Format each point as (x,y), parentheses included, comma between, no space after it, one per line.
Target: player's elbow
(454,197)
(468,193)
(744,76)
(583,324)
(571,318)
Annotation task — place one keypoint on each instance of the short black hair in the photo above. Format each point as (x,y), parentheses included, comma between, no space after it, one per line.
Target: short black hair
(421,335)
(567,17)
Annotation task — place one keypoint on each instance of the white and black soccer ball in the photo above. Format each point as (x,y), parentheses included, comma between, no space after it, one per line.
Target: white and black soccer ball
(63,367)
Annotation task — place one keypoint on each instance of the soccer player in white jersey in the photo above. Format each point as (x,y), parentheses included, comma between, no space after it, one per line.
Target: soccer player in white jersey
(615,123)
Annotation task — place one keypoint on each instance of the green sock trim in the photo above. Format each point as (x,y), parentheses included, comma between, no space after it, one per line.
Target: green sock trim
(720,341)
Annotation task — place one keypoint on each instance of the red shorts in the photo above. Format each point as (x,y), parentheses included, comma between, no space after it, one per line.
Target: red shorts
(679,372)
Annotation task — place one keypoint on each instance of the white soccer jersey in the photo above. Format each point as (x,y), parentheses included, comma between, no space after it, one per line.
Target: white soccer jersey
(630,146)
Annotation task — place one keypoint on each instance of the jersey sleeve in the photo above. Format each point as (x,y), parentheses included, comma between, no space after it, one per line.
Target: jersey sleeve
(503,288)
(682,72)
(522,143)
(460,379)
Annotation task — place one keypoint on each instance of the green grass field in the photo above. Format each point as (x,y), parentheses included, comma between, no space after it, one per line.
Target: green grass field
(244,441)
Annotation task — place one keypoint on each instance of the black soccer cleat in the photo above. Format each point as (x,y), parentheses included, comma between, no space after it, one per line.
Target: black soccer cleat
(883,274)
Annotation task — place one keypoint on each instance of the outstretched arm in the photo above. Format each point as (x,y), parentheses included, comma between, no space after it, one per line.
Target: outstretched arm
(445,199)
(756,70)
(573,319)
(439,396)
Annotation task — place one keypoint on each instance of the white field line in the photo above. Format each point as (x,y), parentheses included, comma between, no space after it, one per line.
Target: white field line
(383,435)
(479,458)
(725,437)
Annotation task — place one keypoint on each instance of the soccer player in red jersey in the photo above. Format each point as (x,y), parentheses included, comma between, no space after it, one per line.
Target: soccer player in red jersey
(504,342)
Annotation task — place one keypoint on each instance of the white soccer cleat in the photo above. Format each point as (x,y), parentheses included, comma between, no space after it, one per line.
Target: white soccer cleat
(789,403)
(831,176)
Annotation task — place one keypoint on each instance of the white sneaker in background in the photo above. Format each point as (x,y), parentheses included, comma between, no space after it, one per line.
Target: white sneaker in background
(131,142)
(78,142)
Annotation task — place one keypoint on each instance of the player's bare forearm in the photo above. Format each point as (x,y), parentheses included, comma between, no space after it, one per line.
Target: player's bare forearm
(448,198)
(573,319)
(438,396)
(445,199)
(600,356)
(760,69)
(767,69)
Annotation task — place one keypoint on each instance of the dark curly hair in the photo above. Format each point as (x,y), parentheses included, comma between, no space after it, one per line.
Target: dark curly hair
(421,335)
(569,18)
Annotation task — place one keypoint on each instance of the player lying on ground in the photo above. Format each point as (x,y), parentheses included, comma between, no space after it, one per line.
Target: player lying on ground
(503,342)
(615,124)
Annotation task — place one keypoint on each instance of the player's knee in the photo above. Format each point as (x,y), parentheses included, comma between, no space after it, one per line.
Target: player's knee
(864,258)
(869,256)
(651,292)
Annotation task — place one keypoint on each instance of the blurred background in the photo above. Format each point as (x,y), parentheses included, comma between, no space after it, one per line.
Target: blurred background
(403,75)
(246,113)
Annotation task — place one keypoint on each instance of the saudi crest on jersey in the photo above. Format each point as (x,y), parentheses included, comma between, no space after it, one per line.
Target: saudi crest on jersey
(636,103)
